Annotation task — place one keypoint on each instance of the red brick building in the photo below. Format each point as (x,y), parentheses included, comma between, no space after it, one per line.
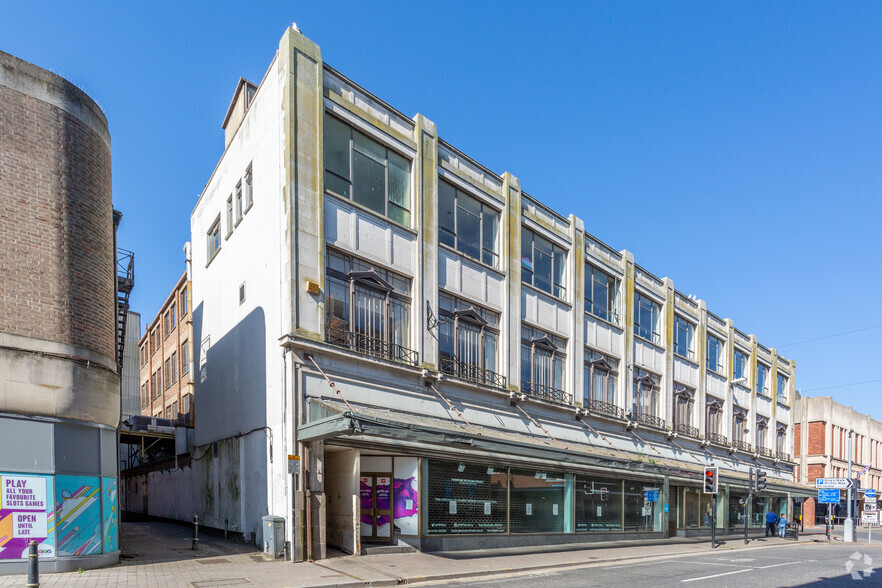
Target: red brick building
(821,433)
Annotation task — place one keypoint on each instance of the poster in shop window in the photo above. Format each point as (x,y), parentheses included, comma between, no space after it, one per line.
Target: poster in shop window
(27,513)
(367,503)
(384,502)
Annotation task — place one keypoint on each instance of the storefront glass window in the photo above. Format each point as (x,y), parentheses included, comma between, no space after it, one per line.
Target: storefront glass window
(736,511)
(466,498)
(598,504)
(537,501)
(641,506)
(691,508)
(758,511)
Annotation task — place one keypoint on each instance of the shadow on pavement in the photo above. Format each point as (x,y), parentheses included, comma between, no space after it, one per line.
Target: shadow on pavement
(147,542)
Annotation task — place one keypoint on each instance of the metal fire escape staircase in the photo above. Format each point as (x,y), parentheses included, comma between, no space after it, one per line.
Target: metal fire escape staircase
(125,281)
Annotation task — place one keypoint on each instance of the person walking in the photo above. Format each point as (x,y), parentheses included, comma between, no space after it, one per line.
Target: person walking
(771,519)
(782,526)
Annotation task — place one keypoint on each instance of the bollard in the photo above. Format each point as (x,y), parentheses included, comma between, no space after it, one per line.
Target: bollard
(33,565)
(195,532)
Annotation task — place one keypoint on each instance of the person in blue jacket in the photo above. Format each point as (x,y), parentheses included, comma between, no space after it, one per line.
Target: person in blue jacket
(771,521)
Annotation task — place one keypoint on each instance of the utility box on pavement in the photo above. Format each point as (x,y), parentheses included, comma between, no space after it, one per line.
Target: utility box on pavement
(273,535)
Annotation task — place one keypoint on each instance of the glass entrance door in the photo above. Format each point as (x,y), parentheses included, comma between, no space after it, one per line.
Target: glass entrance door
(376,506)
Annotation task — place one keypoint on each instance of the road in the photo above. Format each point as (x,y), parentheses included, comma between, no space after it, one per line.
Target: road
(812,564)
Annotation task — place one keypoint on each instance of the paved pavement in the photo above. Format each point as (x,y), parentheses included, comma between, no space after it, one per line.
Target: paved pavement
(159,555)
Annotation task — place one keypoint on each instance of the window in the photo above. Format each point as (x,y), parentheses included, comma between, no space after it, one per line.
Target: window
(467,224)
(740,365)
(185,357)
(159,380)
(542,365)
(368,309)
(174,317)
(781,439)
(186,403)
(715,349)
(762,384)
(238,202)
(249,193)
(684,399)
(168,412)
(645,408)
(684,332)
(230,220)
(782,388)
(600,383)
(542,264)
(167,381)
(241,293)
(465,498)
(598,504)
(739,417)
(713,422)
(174,408)
(359,168)
(145,395)
(601,294)
(536,501)
(468,340)
(214,242)
(174,367)
(762,424)
(646,318)
(184,304)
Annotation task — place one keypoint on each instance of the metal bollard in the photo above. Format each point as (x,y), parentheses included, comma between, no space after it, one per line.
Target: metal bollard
(33,565)
(195,532)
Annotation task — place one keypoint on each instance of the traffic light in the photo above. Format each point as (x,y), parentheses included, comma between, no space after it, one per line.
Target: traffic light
(711,484)
(760,482)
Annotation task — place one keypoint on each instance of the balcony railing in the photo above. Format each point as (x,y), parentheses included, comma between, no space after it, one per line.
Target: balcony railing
(783,456)
(717,439)
(650,420)
(605,408)
(741,445)
(765,451)
(546,393)
(380,348)
(687,430)
(472,373)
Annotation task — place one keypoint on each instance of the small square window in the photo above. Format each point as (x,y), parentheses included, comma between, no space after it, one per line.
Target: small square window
(214,241)
(241,293)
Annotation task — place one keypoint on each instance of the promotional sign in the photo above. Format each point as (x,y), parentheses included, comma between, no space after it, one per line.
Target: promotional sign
(828,496)
(27,513)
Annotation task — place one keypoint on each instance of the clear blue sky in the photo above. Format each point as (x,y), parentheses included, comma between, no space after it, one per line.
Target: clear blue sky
(731,146)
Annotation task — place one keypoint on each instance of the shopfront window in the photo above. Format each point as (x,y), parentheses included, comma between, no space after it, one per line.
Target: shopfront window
(697,509)
(598,504)
(537,501)
(465,498)
(641,506)
(758,511)
(737,509)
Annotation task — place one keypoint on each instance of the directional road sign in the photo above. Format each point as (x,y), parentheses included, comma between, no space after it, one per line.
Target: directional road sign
(869,493)
(828,496)
(837,483)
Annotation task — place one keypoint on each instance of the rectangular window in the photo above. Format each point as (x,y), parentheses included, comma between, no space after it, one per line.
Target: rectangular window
(365,171)
(601,294)
(761,426)
(646,318)
(599,387)
(213,239)
(168,370)
(238,202)
(645,408)
(159,380)
(762,384)
(741,360)
(639,510)
(714,420)
(536,501)
(782,388)
(684,398)
(739,417)
(468,225)
(230,219)
(543,264)
(184,304)
(715,348)
(186,403)
(598,504)
(185,358)
(174,409)
(466,498)
(683,335)
(174,316)
(468,340)
(168,412)
(543,360)
(781,438)
(174,367)
(368,309)
(249,193)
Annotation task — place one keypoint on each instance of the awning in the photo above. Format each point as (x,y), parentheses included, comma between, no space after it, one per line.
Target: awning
(370,427)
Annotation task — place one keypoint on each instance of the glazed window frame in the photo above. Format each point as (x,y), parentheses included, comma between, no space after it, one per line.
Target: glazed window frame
(468,337)
(460,214)
(543,365)
(719,348)
(684,329)
(597,282)
(647,309)
(538,251)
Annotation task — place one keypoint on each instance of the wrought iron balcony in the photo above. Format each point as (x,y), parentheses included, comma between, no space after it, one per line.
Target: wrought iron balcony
(546,393)
(471,372)
(372,346)
(650,420)
(741,445)
(717,439)
(765,451)
(783,456)
(687,430)
(605,408)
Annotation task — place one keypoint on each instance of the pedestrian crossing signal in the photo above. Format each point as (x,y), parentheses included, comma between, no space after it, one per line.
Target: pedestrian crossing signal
(711,482)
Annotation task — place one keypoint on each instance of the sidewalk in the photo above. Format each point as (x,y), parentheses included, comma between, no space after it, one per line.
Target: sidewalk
(159,555)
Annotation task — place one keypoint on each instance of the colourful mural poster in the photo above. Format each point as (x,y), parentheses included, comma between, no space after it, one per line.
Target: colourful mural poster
(384,502)
(78,501)
(109,506)
(367,504)
(27,513)
(405,496)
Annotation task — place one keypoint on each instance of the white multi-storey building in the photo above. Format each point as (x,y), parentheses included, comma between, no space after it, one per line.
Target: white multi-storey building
(453,363)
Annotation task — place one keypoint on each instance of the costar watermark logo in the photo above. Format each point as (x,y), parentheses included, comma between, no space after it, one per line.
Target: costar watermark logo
(854,562)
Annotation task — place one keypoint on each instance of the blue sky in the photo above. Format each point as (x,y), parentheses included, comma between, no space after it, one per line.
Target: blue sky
(733,147)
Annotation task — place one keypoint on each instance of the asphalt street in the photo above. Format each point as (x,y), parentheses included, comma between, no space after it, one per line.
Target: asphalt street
(793,565)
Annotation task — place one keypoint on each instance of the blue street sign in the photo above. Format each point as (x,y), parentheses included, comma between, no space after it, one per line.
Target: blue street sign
(651,495)
(830,496)
(869,493)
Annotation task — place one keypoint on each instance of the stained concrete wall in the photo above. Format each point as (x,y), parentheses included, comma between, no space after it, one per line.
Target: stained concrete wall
(341,483)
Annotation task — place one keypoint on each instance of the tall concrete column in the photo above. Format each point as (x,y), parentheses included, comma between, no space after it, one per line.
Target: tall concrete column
(576,285)
(425,203)
(510,336)
(751,418)
(729,411)
(701,355)
(667,386)
(626,375)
